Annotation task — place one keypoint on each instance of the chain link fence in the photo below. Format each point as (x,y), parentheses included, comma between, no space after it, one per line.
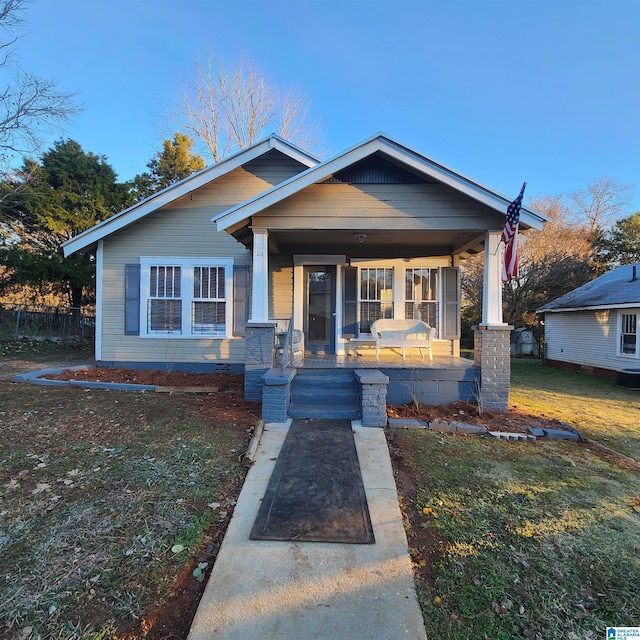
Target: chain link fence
(18,322)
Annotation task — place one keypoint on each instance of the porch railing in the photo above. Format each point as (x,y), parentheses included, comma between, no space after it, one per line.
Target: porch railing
(287,348)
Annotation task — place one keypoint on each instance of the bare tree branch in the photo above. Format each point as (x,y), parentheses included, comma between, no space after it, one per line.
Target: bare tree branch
(602,201)
(30,107)
(227,110)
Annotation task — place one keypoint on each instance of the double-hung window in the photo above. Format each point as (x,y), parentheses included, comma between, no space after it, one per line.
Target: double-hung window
(628,334)
(421,300)
(164,304)
(376,296)
(186,297)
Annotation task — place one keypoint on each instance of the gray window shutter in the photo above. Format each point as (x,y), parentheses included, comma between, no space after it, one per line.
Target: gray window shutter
(350,310)
(132,299)
(451,306)
(240,299)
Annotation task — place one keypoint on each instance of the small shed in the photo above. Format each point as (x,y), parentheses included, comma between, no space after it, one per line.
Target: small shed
(524,344)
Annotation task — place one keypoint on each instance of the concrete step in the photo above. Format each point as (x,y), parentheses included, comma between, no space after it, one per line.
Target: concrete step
(325,393)
(325,412)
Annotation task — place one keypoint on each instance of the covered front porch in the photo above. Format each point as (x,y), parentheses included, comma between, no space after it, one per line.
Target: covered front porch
(376,233)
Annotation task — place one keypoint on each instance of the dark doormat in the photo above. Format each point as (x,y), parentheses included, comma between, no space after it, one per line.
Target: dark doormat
(316,493)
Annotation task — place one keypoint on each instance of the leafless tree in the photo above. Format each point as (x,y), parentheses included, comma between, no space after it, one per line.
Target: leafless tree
(29,106)
(226,110)
(552,262)
(601,202)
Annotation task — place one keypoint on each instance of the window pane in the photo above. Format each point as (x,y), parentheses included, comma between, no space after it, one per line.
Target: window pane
(208,317)
(628,333)
(165,315)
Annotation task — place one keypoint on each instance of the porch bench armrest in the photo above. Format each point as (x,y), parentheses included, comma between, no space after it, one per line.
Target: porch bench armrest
(402,333)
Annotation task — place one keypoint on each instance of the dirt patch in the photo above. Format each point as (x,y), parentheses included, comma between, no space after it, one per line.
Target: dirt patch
(223,381)
(515,420)
(227,403)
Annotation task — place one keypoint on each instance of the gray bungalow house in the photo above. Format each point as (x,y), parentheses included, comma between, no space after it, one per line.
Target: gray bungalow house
(595,327)
(211,273)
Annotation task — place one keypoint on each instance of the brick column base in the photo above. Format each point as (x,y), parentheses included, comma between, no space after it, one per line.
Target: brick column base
(276,394)
(492,353)
(373,397)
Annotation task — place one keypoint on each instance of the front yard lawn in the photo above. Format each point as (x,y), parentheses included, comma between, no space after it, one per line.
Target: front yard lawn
(108,503)
(528,540)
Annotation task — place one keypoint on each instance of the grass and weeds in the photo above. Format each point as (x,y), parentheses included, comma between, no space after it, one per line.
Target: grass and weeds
(106,499)
(522,540)
(595,406)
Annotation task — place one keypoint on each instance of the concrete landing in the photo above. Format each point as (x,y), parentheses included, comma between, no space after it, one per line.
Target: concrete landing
(317,591)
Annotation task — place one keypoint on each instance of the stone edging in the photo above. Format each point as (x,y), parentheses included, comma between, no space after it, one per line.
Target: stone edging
(566,433)
(36,378)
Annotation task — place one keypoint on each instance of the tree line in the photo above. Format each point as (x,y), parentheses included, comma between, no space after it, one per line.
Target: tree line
(589,232)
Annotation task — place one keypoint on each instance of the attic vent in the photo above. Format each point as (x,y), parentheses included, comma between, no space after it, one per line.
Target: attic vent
(374,170)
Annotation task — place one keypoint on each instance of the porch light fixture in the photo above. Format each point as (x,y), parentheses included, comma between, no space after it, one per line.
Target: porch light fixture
(360,237)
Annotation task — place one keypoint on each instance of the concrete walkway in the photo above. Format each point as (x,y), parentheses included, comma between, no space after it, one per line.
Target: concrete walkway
(266,590)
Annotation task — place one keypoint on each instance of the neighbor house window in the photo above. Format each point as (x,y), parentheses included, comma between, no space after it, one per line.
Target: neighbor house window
(376,296)
(186,298)
(629,334)
(421,295)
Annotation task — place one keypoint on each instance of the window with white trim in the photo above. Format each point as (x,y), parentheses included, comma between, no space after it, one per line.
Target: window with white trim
(628,334)
(421,299)
(186,298)
(376,296)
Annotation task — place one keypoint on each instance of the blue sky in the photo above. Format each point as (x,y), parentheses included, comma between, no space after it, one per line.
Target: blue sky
(501,91)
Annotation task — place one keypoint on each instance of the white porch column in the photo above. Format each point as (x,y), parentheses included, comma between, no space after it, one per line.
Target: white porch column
(492,290)
(260,277)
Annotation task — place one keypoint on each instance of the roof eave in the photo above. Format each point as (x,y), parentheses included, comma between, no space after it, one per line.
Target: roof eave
(158,200)
(379,142)
(597,307)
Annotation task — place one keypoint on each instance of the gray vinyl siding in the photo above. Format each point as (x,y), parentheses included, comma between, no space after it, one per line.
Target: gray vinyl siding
(588,338)
(182,230)
(378,206)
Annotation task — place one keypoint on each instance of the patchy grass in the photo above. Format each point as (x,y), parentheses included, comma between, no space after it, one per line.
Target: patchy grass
(529,541)
(96,489)
(598,408)
(518,540)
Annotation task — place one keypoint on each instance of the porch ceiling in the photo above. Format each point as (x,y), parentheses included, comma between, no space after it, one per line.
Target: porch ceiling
(392,243)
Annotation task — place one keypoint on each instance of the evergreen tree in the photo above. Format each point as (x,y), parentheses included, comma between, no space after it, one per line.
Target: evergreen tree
(47,203)
(175,162)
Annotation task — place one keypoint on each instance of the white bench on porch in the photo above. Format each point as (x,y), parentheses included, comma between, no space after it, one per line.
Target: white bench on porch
(392,333)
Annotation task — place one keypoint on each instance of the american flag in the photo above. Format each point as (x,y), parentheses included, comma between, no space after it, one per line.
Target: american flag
(510,238)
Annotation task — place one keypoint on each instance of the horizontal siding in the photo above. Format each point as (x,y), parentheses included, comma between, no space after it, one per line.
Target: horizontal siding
(182,229)
(280,287)
(587,338)
(402,206)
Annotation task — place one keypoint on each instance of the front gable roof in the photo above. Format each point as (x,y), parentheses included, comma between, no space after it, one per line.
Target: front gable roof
(380,143)
(184,187)
(619,288)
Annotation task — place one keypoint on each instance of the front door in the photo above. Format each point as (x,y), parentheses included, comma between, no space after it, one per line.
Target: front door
(320,309)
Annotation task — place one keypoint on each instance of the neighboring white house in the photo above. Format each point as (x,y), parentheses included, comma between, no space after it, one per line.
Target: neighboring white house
(595,327)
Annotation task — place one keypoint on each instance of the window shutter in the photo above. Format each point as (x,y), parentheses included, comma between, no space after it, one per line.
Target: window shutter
(132,299)
(451,306)
(350,310)
(240,299)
